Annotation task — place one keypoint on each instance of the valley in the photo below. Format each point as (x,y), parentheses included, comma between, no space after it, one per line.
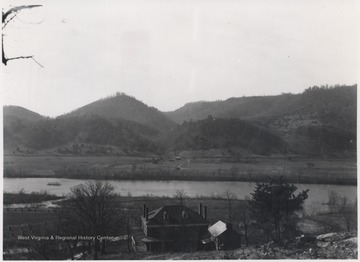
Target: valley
(204,149)
(306,138)
(187,165)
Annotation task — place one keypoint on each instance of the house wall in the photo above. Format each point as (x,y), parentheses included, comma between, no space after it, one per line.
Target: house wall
(173,231)
(176,237)
(228,240)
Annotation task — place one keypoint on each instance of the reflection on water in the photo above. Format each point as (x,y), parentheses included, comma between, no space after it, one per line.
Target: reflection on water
(318,194)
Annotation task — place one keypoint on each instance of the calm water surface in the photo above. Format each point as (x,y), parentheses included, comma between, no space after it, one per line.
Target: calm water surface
(318,194)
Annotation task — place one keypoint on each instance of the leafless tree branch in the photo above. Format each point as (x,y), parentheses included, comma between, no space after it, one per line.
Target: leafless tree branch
(14,11)
(8,21)
(37,62)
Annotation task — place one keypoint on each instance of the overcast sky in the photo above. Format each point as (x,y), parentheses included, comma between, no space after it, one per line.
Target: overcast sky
(170,52)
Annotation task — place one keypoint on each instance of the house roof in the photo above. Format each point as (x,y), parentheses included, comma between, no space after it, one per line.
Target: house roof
(175,214)
(217,229)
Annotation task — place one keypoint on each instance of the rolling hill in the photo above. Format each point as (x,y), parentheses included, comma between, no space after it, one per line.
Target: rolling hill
(16,119)
(225,133)
(85,130)
(240,108)
(125,107)
(320,121)
(20,113)
(335,106)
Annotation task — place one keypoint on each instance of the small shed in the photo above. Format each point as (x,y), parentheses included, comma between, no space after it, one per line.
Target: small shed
(222,236)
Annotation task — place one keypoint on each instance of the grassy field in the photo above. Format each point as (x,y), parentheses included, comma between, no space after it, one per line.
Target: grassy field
(187,167)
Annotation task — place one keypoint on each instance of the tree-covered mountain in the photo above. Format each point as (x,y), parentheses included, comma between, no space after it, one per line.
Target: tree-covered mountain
(331,105)
(319,121)
(93,130)
(222,133)
(20,113)
(121,106)
(239,108)
(15,120)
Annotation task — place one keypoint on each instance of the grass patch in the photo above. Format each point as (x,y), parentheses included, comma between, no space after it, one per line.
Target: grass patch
(26,198)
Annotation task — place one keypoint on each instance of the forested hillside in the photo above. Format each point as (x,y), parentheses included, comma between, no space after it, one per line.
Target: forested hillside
(16,119)
(20,113)
(332,105)
(225,133)
(76,131)
(320,121)
(121,106)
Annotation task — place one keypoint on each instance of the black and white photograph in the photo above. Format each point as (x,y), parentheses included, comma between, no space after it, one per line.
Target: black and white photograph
(179,129)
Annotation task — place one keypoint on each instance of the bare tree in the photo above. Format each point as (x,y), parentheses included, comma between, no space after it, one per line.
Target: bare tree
(333,201)
(6,18)
(230,196)
(341,206)
(181,195)
(348,211)
(245,220)
(41,249)
(312,210)
(92,210)
(129,219)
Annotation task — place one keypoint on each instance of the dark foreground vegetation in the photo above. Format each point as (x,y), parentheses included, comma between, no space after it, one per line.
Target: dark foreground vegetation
(271,223)
(338,246)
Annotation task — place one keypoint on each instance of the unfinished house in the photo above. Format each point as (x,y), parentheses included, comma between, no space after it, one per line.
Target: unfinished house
(221,236)
(173,228)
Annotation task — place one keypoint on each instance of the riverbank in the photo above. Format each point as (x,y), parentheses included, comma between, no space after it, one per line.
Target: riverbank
(299,170)
(21,197)
(318,193)
(308,179)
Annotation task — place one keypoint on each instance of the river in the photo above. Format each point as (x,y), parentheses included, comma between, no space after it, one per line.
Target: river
(318,193)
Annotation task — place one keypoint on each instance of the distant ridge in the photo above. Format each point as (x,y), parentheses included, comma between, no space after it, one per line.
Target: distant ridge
(16,119)
(313,101)
(320,121)
(121,106)
(21,113)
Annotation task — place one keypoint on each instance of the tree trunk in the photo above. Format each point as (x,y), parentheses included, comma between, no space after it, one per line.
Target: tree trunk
(70,249)
(245,235)
(128,240)
(103,247)
(89,247)
(84,250)
(96,248)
